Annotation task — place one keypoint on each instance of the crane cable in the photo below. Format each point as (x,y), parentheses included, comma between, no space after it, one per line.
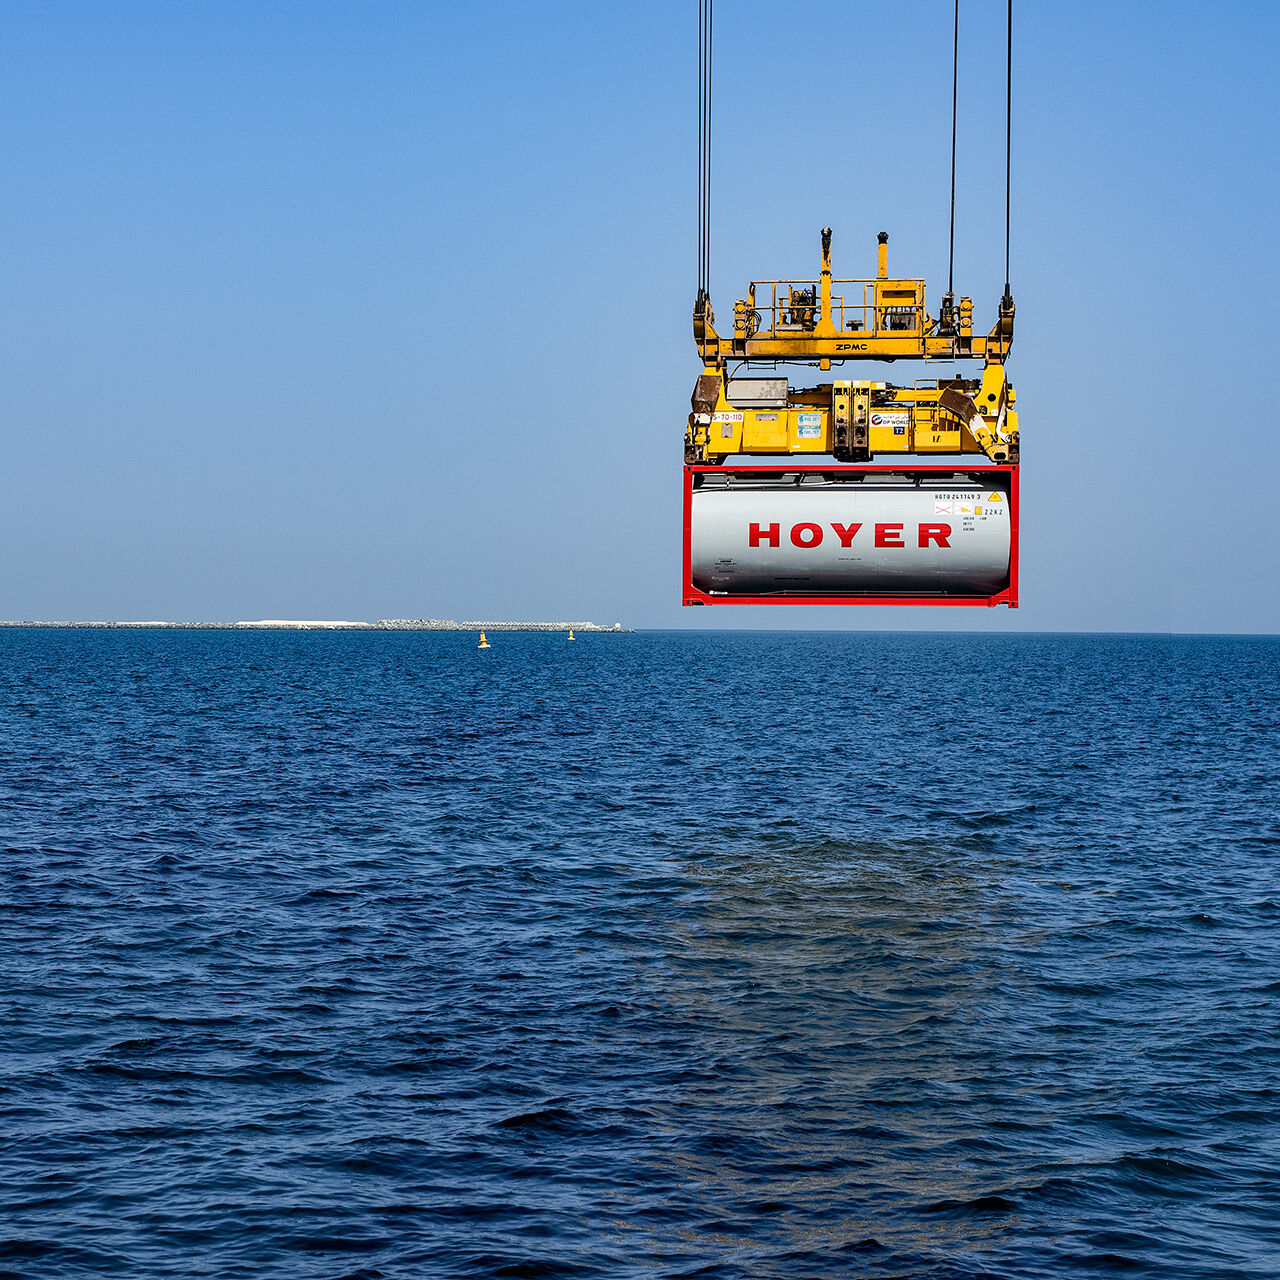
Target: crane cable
(705,23)
(705,15)
(1008,141)
(955,75)
(1007,300)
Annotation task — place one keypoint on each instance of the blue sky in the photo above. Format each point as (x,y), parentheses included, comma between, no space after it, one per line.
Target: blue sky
(382,310)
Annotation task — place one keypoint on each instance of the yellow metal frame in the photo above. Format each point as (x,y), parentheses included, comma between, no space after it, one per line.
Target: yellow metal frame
(855,421)
(803,320)
(806,321)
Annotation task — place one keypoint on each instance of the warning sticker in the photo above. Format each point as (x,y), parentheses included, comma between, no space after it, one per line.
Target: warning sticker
(726,431)
(942,509)
(995,497)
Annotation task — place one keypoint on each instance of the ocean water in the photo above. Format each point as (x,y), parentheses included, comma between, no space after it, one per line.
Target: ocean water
(721,955)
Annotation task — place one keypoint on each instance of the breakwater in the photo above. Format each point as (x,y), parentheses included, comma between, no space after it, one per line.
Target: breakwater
(310,624)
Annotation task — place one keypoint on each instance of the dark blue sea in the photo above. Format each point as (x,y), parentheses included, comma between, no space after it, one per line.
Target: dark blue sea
(343,955)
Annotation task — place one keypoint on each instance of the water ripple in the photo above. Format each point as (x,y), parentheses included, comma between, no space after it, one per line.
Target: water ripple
(372,956)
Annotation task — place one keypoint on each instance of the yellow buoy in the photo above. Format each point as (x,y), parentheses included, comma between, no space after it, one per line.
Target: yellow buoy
(570,633)
(484,644)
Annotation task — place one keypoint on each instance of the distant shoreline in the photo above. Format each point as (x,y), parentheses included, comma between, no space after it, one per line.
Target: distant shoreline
(287,624)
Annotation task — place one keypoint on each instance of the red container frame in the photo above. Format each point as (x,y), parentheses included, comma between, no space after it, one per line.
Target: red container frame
(1008,596)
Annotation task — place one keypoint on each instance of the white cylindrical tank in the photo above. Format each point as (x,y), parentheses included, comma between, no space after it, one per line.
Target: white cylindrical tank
(829,537)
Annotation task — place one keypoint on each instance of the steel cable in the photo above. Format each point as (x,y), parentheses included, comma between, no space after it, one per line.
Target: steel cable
(955,76)
(702,94)
(1008,137)
(705,20)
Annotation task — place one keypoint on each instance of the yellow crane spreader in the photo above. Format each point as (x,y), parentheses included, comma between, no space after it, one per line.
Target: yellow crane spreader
(917,530)
(808,321)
